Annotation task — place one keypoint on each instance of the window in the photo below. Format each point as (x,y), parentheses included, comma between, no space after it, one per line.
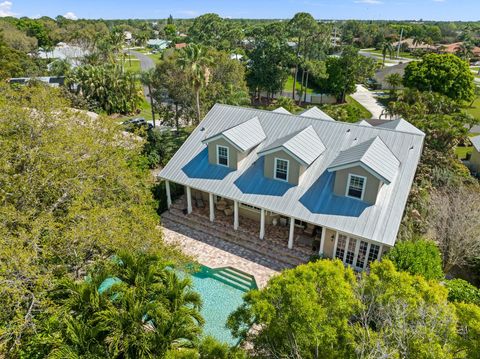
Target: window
(373,254)
(222,155)
(249,207)
(355,186)
(281,169)
(350,251)
(341,244)
(362,254)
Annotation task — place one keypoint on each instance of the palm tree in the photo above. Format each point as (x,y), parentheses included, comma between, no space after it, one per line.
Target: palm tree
(465,51)
(147,78)
(143,310)
(387,48)
(195,61)
(395,80)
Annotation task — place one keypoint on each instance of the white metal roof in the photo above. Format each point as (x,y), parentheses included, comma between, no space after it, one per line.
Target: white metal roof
(315,112)
(313,199)
(475,142)
(401,125)
(363,123)
(373,155)
(305,145)
(244,136)
(282,110)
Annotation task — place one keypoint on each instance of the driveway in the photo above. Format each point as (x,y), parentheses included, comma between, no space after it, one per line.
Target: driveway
(367,100)
(146,63)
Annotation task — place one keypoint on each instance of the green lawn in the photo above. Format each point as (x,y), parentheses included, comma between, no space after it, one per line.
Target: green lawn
(364,113)
(402,54)
(289,85)
(133,66)
(474,110)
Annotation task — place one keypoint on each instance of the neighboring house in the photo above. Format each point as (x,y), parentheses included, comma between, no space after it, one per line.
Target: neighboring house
(412,45)
(381,75)
(455,47)
(71,53)
(128,36)
(473,163)
(158,44)
(180,45)
(346,184)
(55,81)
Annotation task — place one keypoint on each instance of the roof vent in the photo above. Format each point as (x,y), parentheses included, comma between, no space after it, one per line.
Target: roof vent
(202,129)
(348,130)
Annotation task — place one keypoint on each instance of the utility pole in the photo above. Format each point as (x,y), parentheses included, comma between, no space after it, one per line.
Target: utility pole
(399,43)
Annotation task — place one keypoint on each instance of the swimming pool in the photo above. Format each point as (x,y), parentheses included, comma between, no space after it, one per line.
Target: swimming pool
(221,290)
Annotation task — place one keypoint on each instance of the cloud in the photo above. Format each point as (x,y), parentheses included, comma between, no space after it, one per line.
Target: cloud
(6,9)
(369,2)
(189,13)
(70,15)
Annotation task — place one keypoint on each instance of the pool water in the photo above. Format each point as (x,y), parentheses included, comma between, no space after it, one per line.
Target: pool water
(222,291)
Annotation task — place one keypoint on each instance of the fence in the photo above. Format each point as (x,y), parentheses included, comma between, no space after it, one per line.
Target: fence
(316,99)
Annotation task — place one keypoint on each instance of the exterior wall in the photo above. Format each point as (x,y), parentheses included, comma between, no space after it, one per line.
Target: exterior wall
(232,153)
(475,160)
(329,244)
(294,168)
(371,190)
(254,215)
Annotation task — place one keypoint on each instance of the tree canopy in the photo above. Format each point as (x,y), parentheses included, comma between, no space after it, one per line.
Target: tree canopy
(446,74)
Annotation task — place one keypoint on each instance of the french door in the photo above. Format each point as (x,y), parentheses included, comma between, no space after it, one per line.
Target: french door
(356,253)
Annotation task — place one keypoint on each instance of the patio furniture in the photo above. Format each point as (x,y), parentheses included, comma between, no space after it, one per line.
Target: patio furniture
(221,205)
(283,221)
(309,230)
(228,211)
(200,203)
(306,241)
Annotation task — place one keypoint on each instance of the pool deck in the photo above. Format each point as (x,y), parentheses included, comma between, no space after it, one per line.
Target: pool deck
(213,252)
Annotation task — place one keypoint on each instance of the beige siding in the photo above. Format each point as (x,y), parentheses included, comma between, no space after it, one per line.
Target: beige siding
(372,187)
(475,160)
(294,168)
(232,153)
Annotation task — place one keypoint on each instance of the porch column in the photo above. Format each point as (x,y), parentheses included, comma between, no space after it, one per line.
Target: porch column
(169,197)
(322,241)
(335,246)
(262,223)
(189,200)
(212,208)
(291,233)
(235,215)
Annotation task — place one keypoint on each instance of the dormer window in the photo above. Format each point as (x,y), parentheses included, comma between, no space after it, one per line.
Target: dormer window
(281,169)
(222,155)
(356,186)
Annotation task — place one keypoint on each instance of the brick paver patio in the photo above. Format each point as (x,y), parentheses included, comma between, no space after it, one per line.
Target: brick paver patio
(216,253)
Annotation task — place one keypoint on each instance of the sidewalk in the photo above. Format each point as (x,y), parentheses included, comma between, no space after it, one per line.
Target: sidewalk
(367,100)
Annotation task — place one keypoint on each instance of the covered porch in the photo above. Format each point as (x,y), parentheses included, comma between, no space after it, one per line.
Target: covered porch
(288,234)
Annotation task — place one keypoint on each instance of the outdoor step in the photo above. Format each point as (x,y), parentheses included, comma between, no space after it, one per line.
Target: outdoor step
(238,273)
(241,280)
(231,279)
(261,246)
(287,257)
(276,261)
(231,282)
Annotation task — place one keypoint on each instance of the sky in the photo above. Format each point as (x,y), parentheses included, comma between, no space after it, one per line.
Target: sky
(466,10)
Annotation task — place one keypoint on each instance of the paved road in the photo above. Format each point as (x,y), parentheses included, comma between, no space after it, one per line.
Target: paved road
(367,100)
(146,63)
(390,62)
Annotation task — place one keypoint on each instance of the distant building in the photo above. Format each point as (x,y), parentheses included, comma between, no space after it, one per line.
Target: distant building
(64,51)
(180,45)
(51,81)
(455,47)
(158,44)
(381,75)
(128,37)
(412,45)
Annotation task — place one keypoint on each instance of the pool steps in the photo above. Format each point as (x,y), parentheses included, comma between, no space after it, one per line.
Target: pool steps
(234,278)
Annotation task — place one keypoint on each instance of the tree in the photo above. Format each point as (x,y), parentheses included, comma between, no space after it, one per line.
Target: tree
(402,316)
(14,63)
(207,29)
(74,191)
(196,63)
(387,49)
(394,80)
(446,74)
(131,307)
(303,313)
(345,72)
(455,224)
(460,290)
(417,257)
(469,330)
(107,88)
(147,78)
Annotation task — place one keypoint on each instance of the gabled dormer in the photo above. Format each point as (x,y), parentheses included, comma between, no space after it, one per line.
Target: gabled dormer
(229,147)
(287,158)
(362,170)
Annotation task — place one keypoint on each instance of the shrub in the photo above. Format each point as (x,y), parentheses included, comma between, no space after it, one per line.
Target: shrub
(417,257)
(460,290)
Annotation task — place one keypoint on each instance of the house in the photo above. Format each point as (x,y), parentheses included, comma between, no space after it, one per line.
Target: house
(158,44)
(456,47)
(412,45)
(128,37)
(382,74)
(64,51)
(180,45)
(473,162)
(342,185)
